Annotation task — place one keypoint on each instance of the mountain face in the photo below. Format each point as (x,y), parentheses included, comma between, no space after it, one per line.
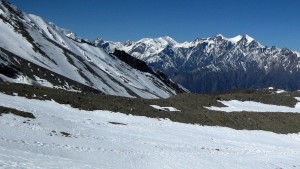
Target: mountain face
(37,52)
(216,64)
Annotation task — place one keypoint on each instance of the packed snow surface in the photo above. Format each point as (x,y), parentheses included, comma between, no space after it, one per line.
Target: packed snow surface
(65,137)
(164,108)
(251,106)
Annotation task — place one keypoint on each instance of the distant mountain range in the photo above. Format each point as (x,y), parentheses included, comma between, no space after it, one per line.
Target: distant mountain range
(217,63)
(36,52)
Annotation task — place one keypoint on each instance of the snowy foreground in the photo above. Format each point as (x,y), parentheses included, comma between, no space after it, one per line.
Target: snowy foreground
(103,139)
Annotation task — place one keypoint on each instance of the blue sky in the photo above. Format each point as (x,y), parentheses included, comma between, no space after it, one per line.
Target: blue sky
(271,22)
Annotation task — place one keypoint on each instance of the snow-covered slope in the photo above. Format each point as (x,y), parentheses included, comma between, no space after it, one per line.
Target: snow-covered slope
(29,41)
(75,138)
(217,63)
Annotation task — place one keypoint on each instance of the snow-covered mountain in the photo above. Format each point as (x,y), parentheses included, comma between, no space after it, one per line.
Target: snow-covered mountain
(35,51)
(217,63)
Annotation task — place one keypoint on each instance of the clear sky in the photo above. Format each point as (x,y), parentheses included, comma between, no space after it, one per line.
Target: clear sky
(271,22)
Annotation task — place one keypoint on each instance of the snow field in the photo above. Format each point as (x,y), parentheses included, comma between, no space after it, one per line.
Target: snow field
(103,139)
(251,106)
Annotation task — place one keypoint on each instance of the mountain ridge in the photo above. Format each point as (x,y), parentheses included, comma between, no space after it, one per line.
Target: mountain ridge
(217,64)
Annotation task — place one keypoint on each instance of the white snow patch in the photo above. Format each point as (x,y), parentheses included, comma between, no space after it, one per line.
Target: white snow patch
(251,106)
(184,45)
(141,142)
(43,82)
(23,80)
(164,108)
(235,39)
(297,53)
(280,91)
(249,39)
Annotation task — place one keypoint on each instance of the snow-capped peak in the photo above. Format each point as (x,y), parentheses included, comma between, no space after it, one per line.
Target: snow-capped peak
(220,35)
(161,41)
(168,39)
(249,39)
(66,32)
(240,37)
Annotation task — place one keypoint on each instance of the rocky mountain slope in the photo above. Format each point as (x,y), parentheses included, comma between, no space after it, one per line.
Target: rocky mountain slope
(218,63)
(34,51)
